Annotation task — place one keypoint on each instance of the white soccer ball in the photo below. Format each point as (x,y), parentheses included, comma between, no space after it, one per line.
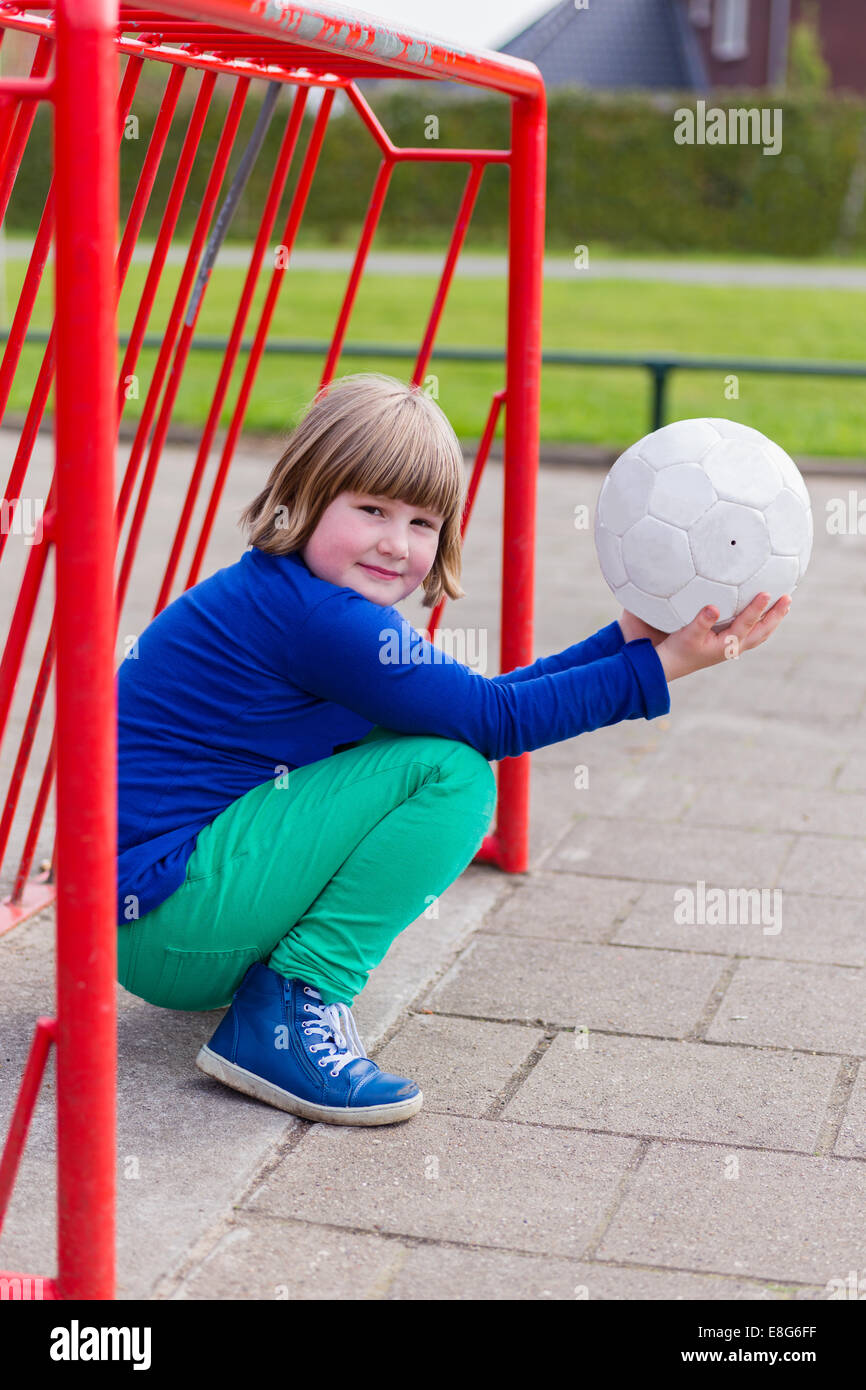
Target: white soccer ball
(700,512)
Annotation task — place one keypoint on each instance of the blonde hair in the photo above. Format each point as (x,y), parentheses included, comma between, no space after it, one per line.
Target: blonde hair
(372,434)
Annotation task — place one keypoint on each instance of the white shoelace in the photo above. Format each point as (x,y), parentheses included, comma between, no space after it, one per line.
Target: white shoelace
(336,1026)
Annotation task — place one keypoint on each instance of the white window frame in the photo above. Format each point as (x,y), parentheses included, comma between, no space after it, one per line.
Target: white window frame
(730,30)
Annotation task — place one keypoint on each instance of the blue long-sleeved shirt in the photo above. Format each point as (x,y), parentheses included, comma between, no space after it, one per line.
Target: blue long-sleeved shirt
(264,667)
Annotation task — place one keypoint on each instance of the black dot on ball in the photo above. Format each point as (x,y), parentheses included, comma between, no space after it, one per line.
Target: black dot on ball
(733,542)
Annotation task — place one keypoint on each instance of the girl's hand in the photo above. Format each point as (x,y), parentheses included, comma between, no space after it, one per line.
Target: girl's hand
(632,628)
(696,646)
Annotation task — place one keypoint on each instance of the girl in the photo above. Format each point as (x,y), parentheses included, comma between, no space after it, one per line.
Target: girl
(300,773)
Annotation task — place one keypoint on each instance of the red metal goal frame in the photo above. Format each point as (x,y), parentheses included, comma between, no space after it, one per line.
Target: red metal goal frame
(318,45)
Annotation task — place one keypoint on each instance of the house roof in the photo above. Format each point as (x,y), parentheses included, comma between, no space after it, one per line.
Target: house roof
(613,43)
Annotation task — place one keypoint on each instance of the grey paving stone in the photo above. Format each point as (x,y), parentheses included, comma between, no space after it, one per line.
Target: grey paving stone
(275,1260)
(453,1178)
(822,929)
(827,864)
(852,1133)
(460,1064)
(789,1004)
(617,747)
(820,641)
(752,689)
(852,775)
(590,785)
(261,1258)
(803,810)
(268,1259)
(678,1090)
(563,907)
(619,990)
(785,1217)
(648,796)
(747,749)
(672,853)
(551,812)
(443,1272)
(415,956)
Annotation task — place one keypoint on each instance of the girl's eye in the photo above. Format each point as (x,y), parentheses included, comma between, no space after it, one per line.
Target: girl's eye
(369,507)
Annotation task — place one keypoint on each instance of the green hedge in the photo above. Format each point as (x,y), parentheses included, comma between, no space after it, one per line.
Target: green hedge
(616,174)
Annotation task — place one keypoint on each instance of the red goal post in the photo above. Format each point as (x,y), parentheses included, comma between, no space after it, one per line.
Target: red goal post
(77,67)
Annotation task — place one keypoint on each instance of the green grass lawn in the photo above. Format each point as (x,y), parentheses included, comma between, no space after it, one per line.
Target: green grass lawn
(588,405)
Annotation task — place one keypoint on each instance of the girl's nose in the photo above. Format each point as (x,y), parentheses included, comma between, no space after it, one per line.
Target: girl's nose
(395,545)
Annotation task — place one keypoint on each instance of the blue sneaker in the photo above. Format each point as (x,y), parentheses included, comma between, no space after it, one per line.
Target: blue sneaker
(277,1043)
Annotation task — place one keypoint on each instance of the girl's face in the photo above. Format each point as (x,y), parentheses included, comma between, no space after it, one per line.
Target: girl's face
(381,547)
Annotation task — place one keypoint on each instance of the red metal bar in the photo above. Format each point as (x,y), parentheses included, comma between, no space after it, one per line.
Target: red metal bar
(14,148)
(19,628)
(29,88)
(86,428)
(458,236)
(371,121)
(136,214)
(432,153)
(18,334)
(29,593)
(446,156)
(31,726)
(523,387)
(267,68)
(28,1092)
(174,333)
(184,337)
(491,849)
(371,221)
(41,802)
(269,214)
(347,32)
(296,211)
(475,479)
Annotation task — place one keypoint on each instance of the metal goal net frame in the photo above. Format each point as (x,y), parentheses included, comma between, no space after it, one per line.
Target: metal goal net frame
(76,67)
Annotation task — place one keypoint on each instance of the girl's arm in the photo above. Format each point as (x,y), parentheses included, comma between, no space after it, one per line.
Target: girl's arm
(368,658)
(606,642)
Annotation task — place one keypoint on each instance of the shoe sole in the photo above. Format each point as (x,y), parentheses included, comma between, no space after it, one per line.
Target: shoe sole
(212,1064)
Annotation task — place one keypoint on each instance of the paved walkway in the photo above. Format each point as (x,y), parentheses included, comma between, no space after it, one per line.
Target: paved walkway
(803,275)
(617,1105)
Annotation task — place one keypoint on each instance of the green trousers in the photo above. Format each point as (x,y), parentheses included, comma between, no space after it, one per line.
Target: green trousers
(314,873)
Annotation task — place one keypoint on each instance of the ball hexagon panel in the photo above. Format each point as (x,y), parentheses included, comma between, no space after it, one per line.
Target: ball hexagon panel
(655,611)
(609,549)
(777,576)
(683,441)
(733,429)
(791,475)
(625,493)
(788,524)
(681,494)
(656,556)
(805,554)
(729,543)
(741,473)
(700,592)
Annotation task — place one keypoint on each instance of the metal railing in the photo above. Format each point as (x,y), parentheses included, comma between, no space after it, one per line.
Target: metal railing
(658,365)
